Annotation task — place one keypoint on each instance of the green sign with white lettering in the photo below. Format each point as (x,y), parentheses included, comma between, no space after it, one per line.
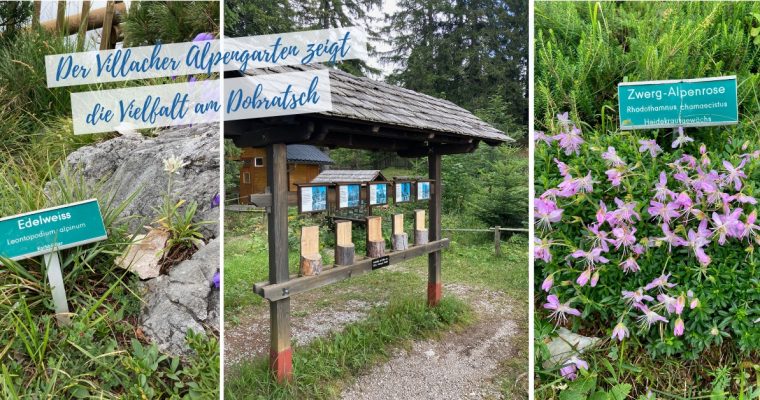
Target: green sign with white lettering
(52,229)
(670,104)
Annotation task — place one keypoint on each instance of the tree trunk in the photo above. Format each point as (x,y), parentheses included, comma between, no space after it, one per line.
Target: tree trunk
(400,241)
(375,248)
(344,255)
(420,236)
(311,265)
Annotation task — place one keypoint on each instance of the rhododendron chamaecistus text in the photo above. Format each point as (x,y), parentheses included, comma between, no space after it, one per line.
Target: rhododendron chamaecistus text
(624,218)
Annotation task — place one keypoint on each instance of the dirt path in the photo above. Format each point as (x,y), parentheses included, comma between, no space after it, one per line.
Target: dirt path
(459,365)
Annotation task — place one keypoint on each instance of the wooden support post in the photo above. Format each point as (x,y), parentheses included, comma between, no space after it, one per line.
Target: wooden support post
(36,15)
(420,233)
(400,238)
(435,286)
(280,353)
(311,260)
(497,240)
(82,34)
(375,241)
(344,246)
(105,34)
(60,19)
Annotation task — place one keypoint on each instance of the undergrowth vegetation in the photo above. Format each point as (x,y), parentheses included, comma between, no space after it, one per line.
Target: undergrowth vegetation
(646,238)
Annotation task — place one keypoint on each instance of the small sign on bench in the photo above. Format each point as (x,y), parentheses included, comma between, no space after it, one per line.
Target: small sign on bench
(381,262)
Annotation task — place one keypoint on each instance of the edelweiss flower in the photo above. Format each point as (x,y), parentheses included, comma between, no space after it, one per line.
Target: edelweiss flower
(173,164)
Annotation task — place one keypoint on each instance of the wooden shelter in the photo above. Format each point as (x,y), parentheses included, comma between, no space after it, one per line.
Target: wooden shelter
(366,115)
(305,162)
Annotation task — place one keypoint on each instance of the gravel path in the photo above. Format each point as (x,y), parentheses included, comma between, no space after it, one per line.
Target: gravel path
(459,365)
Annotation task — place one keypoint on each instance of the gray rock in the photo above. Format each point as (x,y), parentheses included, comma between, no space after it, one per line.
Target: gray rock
(135,163)
(567,345)
(184,299)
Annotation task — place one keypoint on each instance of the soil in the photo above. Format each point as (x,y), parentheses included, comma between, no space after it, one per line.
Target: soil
(458,365)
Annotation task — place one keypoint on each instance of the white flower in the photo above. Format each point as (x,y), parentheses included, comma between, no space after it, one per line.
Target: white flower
(173,164)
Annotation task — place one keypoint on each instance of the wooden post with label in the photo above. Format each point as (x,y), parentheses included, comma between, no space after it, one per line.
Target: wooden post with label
(344,246)
(280,353)
(435,287)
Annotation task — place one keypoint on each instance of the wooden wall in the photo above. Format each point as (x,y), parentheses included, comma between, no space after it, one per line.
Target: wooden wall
(253,179)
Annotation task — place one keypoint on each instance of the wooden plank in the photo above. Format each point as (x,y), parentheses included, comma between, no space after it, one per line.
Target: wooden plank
(343,233)
(310,240)
(275,292)
(279,311)
(36,15)
(398,224)
(419,220)
(105,34)
(94,19)
(497,240)
(435,285)
(60,19)
(374,229)
(82,34)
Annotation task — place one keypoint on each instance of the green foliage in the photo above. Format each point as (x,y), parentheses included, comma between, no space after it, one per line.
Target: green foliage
(319,366)
(13,16)
(231,172)
(584,49)
(463,51)
(150,22)
(246,18)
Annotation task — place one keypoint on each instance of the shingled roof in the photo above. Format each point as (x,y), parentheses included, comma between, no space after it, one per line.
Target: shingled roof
(307,154)
(347,175)
(384,117)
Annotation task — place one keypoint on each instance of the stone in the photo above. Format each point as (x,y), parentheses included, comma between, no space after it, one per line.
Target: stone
(143,255)
(566,345)
(183,300)
(135,163)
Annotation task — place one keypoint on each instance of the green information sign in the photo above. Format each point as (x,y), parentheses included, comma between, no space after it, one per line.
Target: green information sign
(674,103)
(52,229)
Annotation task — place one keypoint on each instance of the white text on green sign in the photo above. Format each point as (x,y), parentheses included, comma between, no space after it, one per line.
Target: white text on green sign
(52,229)
(674,103)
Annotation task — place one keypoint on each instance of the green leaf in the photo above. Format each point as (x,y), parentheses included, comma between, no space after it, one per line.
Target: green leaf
(620,391)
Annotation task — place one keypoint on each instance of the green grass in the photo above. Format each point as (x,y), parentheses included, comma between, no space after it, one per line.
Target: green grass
(321,367)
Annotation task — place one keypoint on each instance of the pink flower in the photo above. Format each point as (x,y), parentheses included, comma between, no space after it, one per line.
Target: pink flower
(563,168)
(590,257)
(584,277)
(727,225)
(620,331)
(624,237)
(541,249)
(547,284)
(661,191)
(612,158)
(570,369)
(678,330)
(660,282)
(667,301)
(671,238)
(614,176)
(680,304)
(681,139)
(651,146)
(570,141)
(626,212)
(560,310)
(600,237)
(594,279)
(636,297)
(630,265)
(546,213)
(540,136)
(665,211)
(649,317)
(735,174)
